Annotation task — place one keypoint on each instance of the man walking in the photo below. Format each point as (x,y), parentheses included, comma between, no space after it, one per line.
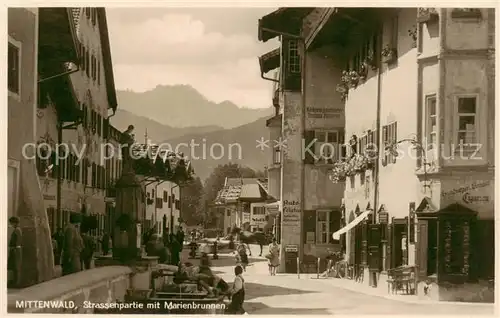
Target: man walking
(72,246)
(14,258)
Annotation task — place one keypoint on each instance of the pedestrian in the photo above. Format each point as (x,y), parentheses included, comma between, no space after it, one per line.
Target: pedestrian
(106,243)
(175,250)
(180,237)
(72,246)
(273,258)
(14,258)
(89,247)
(237,293)
(59,237)
(243,257)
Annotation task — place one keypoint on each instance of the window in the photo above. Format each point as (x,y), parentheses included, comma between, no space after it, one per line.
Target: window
(277,156)
(228,212)
(389,139)
(14,67)
(465,126)
(322,227)
(431,129)
(13,184)
(259,210)
(363,141)
(327,145)
(293,56)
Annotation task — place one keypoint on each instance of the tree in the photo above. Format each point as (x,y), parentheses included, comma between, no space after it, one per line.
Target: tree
(191,194)
(215,182)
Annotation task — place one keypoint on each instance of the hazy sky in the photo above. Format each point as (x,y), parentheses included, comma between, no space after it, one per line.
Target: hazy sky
(215,50)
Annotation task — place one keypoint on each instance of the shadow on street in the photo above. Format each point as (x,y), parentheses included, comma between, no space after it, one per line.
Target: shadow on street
(254,290)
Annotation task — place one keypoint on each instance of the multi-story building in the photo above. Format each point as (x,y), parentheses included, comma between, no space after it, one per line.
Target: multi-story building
(419,118)
(41,44)
(307,133)
(113,173)
(83,170)
(163,206)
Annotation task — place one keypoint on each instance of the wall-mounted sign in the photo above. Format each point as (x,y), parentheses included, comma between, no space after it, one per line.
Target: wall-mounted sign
(465,189)
(468,198)
(291,213)
(310,238)
(49,197)
(316,112)
(291,248)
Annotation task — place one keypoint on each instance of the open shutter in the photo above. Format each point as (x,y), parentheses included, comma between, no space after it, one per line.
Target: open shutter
(374,240)
(334,225)
(342,146)
(388,253)
(394,138)
(364,243)
(308,152)
(309,225)
(421,250)
(382,146)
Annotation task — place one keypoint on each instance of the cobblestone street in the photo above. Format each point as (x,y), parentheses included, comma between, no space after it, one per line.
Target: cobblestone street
(286,294)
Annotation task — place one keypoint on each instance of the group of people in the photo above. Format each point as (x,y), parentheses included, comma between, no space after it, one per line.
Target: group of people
(167,246)
(273,256)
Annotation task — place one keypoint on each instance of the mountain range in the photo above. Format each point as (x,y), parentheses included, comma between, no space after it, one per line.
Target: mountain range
(190,118)
(183,106)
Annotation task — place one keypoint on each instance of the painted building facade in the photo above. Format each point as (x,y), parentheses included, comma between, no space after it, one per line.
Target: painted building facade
(163,208)
(310,119)
(34,54)
(419,96)
(83,163)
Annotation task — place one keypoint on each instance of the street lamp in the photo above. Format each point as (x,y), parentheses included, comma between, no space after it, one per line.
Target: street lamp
(417,145)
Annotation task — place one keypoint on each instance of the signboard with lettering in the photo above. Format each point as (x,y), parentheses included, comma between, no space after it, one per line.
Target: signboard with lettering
(317,112)
(291,213)
(291,248)
(477,195)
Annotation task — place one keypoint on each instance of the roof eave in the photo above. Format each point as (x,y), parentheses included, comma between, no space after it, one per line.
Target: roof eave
(107,62)
(270,61)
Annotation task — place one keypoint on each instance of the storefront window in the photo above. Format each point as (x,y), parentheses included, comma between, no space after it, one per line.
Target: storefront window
(456,247)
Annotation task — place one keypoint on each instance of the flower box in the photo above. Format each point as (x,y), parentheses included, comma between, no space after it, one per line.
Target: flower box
(389,55)
(466,13)
(425,15)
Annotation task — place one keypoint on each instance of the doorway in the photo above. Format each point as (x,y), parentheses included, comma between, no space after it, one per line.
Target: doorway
(432,247)
(399,245)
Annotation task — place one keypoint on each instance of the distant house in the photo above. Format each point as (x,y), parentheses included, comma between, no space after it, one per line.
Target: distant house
(244,201)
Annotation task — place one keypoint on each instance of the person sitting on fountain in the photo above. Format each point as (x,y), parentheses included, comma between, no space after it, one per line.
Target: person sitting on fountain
(211,283)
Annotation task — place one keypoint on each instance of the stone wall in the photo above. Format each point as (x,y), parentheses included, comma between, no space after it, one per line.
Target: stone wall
(99,285)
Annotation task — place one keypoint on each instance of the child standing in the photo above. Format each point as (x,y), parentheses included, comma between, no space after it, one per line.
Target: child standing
(237,293)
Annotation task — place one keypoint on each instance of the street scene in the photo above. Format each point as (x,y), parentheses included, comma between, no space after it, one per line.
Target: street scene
(292,160)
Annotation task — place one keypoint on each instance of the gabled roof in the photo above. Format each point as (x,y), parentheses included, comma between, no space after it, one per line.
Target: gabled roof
(283,20)
(242,189)
(106,52)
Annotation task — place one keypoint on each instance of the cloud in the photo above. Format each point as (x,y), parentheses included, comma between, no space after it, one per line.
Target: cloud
(179,39)
(179,47)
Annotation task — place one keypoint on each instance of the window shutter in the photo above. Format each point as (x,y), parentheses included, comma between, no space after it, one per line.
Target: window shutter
(382,146)
(308,139)
(309,223)
(374,240)
(388,248)
(421,248)
(169,202)
(334,225)
(165,196)
(364,243)
(394,138)
(342,146)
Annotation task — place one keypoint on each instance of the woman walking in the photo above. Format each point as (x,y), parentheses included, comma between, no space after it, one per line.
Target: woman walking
(273,257)
(242,253)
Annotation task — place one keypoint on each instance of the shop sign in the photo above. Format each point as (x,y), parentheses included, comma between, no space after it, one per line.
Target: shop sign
(466,189)
(316,112)
(291,248)
(310,238)
(468,198)
(291,213)
(49,197)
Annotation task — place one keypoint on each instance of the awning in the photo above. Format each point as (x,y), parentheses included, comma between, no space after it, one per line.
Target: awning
(273,208)
(351,225)
(269,61)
